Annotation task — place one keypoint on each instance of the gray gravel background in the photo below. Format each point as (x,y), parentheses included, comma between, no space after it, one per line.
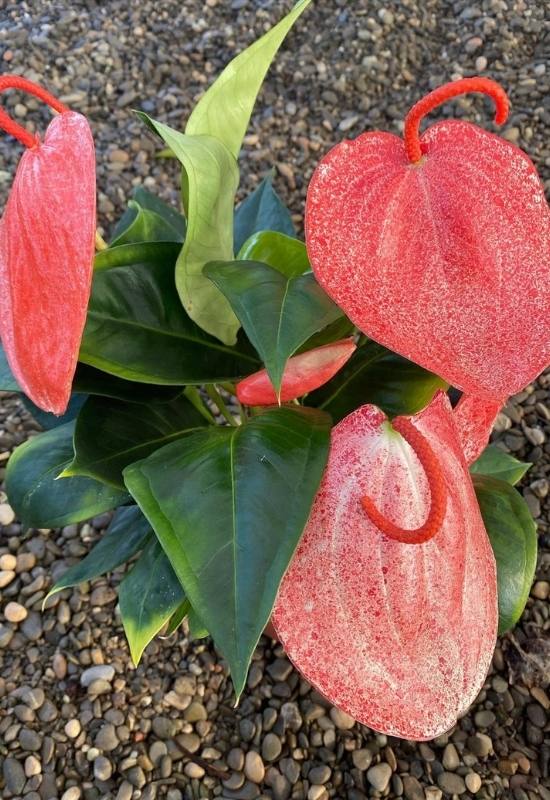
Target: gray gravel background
(167,728)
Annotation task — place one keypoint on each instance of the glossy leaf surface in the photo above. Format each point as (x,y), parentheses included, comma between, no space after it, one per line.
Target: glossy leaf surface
(224,505)
(123,539)
(277,313)
(138,330)
(41,501)
(111,434)
(498,464)
(148,597)
(147,219)
(513,535)
(284,253)
(262,210)
(378,376)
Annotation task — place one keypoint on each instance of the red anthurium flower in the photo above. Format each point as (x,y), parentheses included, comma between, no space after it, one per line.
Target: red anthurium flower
(389,607)
(474,418)
(438,246)
(46,251)
(302,374)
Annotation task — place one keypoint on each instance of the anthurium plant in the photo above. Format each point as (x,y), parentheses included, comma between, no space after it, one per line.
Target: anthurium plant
(286,430)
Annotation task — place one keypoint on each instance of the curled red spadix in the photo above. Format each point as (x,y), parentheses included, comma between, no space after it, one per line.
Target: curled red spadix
(47,236)
(303,373)
(436,484)
(438,246)
(400,636)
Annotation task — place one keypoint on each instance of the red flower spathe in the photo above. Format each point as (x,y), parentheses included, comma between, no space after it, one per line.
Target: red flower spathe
(439,247)
(400,636)
(47,236)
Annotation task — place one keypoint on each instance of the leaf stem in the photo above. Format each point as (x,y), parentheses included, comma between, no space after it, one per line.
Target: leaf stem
(216,398)
(194,397)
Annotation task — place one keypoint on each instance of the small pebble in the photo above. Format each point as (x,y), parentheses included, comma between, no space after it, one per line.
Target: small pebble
(15,613)
(254,767)
(379,776)
(473,782)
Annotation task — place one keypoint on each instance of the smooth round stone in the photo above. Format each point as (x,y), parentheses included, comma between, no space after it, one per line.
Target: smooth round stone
(15,612)
(480,745)
(32,766)
(450,758)
(451,783)
(164,727)
(73,793)
(362,759)
(254,766)
(106,738)
(193,770)
(6,577)
(195,712)
(271,747)
(103,769)
(29,739)
(73,728)
(7,514)
(342,720)
(379,776)
(484,719)
(235,781)
(536,714)
(157,751)
(14,775)
(235,759)
(103,672)
(8,562)
(319,774)
(316,792)
(473,782)
(412,788)
(33,698)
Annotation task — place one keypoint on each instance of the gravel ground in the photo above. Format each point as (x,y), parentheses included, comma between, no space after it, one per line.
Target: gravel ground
(76,719)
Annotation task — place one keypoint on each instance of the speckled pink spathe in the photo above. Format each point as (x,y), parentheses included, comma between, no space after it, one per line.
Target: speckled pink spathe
(474,418)
(446,261)
(46,260)
(400,636)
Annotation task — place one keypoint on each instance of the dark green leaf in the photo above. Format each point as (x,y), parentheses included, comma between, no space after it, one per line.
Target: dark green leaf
(123,539)
(277,250)
(41,501)
(111,434)
(278,313)
(95,382)
(229,506)
(498,464)
(262,210)
(171,227)
(147,226)
(225,110)
(137,330)
(209,182)
(513,536)
(378,376)
(148,597)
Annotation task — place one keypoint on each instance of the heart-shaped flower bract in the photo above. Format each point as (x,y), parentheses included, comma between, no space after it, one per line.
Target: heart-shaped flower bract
(400,636)
(303,373)
(47,237)
(438,247)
